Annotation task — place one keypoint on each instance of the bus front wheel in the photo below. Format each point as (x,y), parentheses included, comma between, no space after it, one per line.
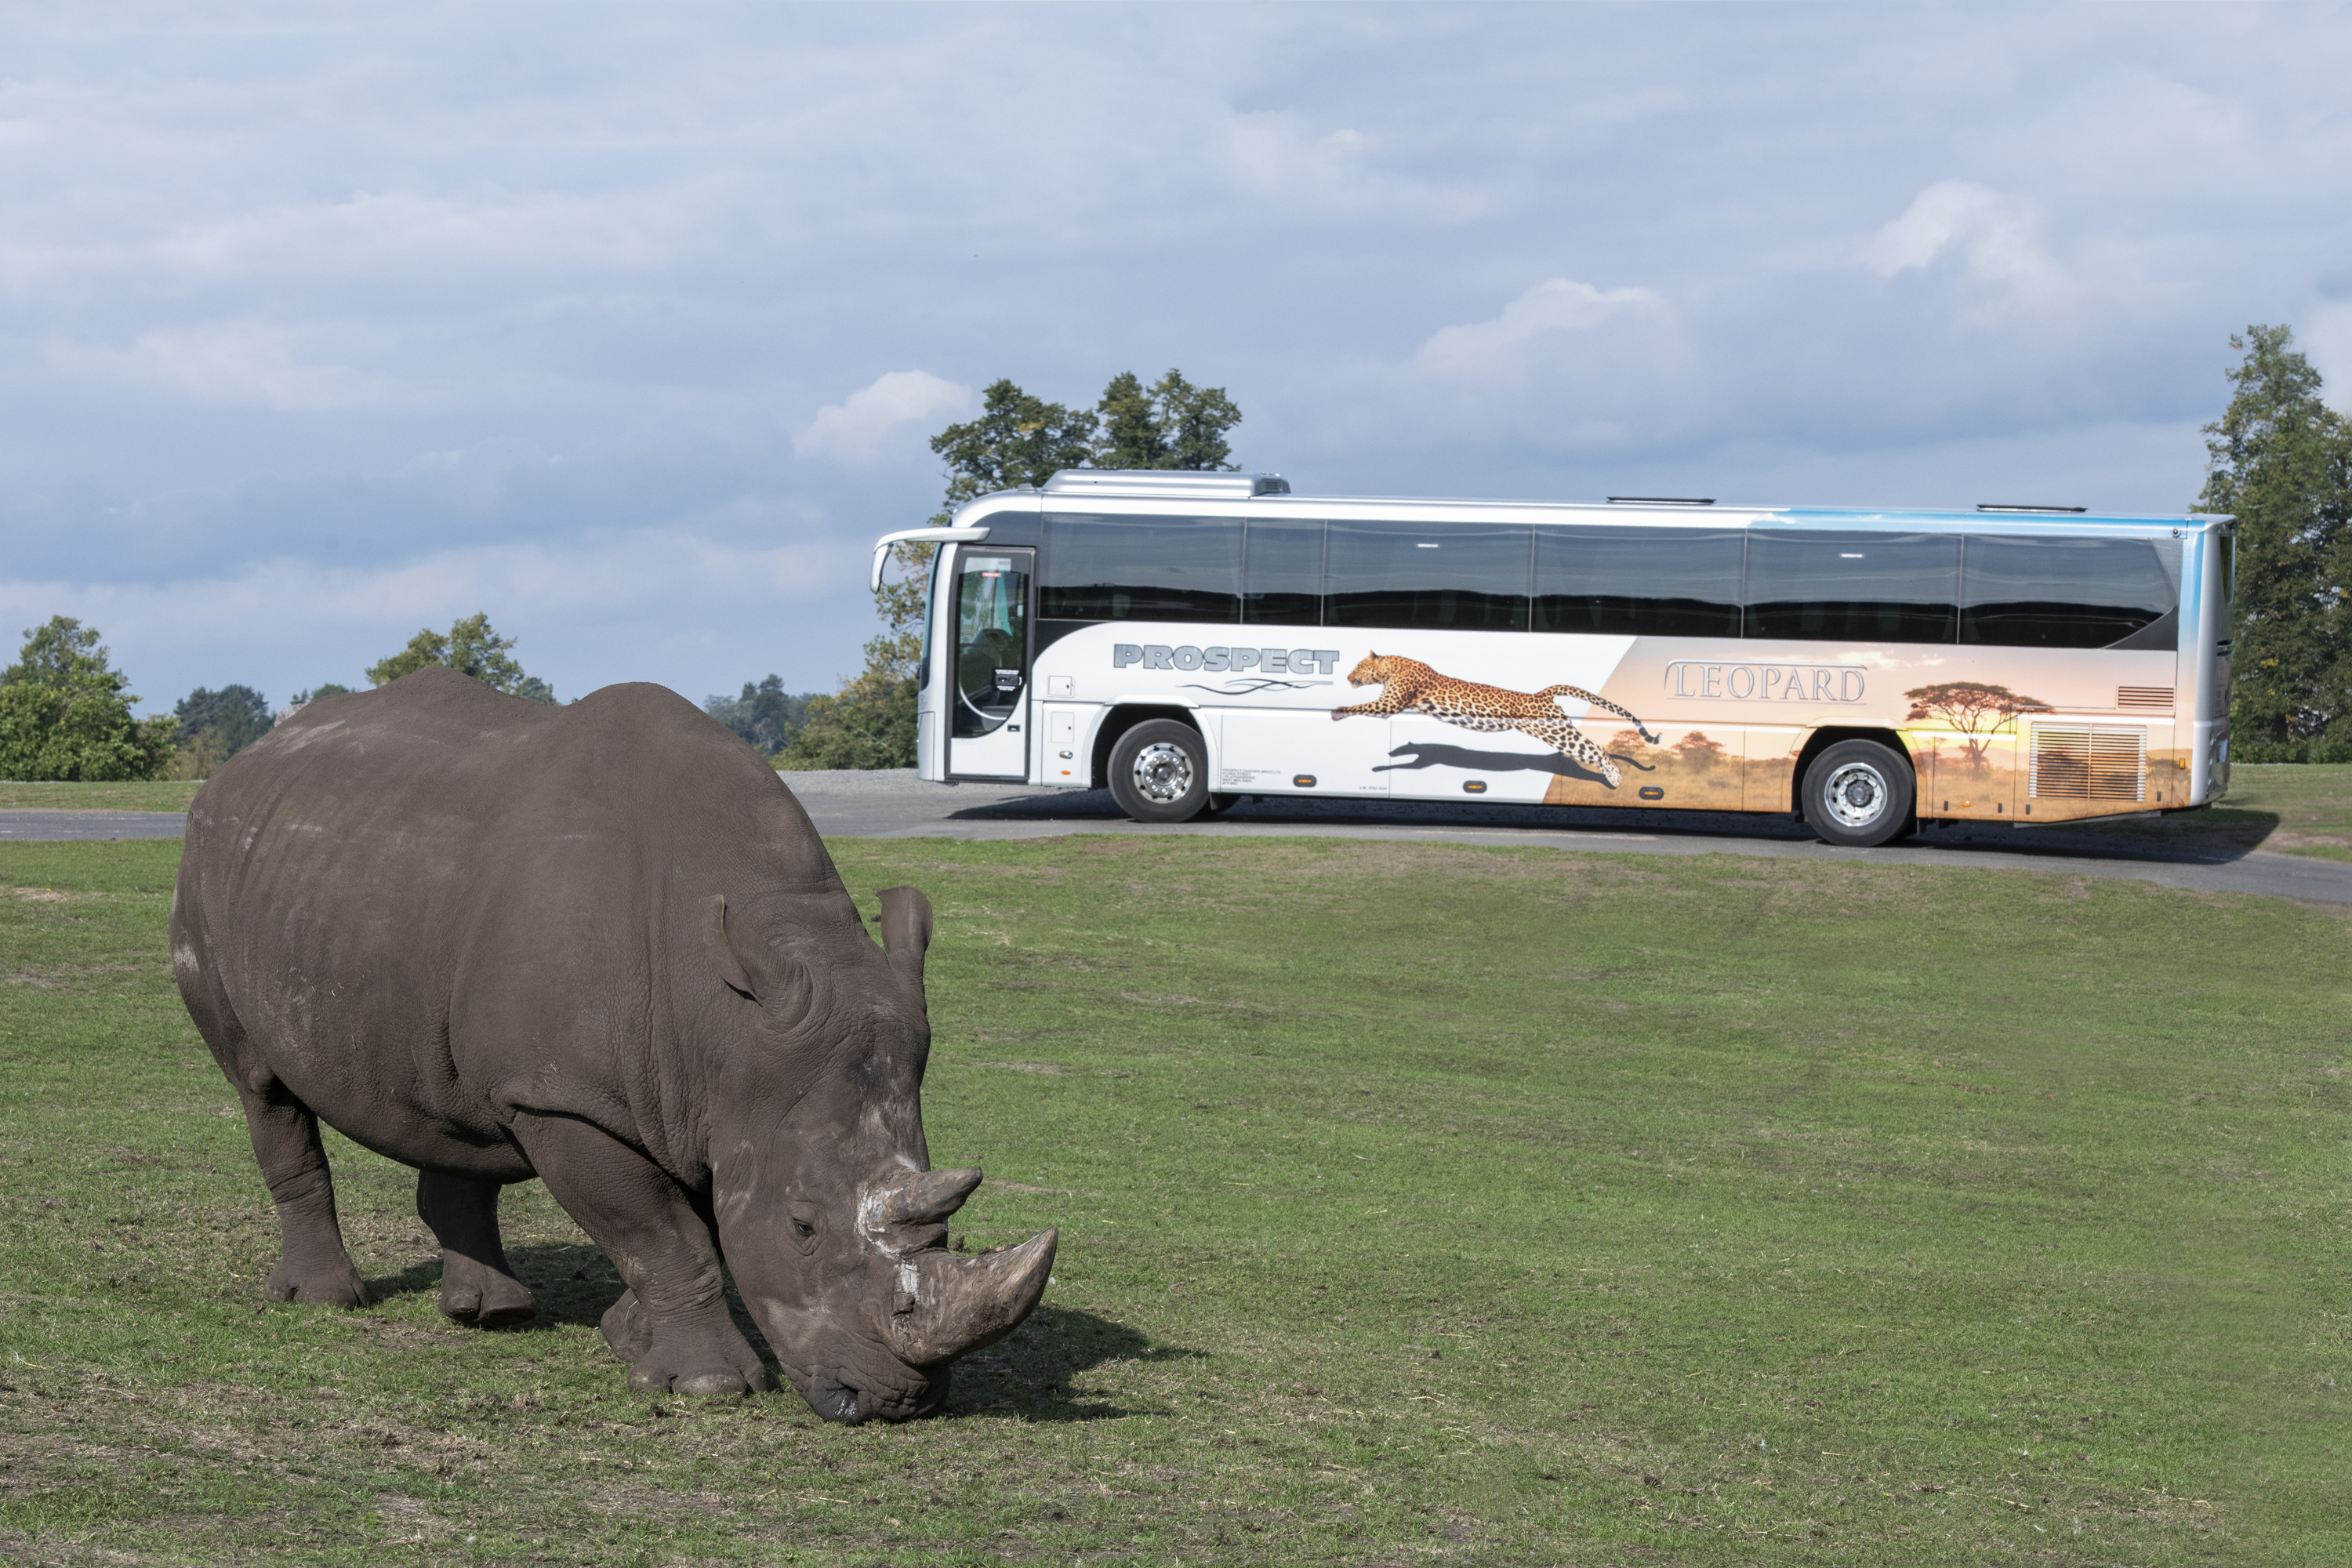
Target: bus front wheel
(1858,794)
(1160,772)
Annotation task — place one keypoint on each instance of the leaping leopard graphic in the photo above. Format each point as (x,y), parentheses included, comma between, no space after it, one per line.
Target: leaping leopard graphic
(1409,686)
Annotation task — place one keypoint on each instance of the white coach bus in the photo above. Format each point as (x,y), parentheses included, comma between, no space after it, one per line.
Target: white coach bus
(1189,639)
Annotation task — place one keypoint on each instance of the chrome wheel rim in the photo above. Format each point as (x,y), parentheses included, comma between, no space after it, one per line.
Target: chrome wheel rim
(1163,773)
(1856,795)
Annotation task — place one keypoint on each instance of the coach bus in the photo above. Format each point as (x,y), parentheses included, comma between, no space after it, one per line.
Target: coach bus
(1190,639)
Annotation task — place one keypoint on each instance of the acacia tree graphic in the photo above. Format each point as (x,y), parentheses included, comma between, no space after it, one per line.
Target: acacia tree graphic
(1698,752)
(1977,710)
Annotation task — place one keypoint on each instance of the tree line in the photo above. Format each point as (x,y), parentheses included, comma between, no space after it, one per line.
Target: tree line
(65,712)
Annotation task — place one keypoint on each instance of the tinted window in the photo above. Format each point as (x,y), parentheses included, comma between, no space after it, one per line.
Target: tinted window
(1433,576)
(1650,581)
(1140,569)
(1282,574)
(992,639)
(2063,593)
(1859,587)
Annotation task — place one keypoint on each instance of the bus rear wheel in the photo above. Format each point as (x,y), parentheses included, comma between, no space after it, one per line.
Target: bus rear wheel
(1160,772)
(1858,794)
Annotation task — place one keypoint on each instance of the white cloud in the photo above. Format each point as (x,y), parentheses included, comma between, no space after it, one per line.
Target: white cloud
(1992,234)
(230,364)
(1538,325)
(856,429)
(1566,364)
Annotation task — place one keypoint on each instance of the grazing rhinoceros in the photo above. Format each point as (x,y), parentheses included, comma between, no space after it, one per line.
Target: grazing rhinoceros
(600,946)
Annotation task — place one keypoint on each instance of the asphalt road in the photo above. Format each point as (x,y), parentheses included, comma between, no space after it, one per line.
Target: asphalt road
(898,806)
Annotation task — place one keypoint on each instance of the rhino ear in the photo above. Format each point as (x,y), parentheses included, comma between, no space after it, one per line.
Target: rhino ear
(751,965)
(906,930)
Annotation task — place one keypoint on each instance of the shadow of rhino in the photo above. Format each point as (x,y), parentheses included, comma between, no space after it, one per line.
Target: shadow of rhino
(1033,1373)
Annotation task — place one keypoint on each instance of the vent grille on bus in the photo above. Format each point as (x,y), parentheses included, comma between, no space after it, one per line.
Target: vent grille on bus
(2081,763)
(2155,699)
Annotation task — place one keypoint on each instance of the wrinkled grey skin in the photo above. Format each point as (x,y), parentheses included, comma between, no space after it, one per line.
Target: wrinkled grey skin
(600,946)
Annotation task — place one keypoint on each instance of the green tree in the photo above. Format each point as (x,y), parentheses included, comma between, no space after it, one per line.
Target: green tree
(764,716)
(1170,425)
(1017,440)
(2280,462)
(230,719)
(868,723)
(471,647)
(65,714)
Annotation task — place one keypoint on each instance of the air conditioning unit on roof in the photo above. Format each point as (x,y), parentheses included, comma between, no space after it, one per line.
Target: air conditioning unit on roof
(1165,482)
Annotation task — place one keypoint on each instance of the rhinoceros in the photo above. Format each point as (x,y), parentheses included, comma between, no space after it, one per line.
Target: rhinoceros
(600,946)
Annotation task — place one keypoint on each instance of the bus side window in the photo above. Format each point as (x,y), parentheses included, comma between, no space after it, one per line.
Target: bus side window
(1282,573)
(1139,568)
(2067,593)
(1433,576)
(1865,587)
(1646,581)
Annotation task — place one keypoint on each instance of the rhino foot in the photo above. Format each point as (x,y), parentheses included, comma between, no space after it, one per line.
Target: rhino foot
(318,1284)
(695,1360)
(483,1297)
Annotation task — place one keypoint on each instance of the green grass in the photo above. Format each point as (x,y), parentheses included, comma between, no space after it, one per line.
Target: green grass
(2295,808)
(1419,1202)
(152,795)
(2290,808)
(2311,805)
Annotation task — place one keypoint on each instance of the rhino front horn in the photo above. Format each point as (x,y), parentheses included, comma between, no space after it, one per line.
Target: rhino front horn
(963,1303)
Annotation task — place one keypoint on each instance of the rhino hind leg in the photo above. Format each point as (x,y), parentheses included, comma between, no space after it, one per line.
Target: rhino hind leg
(313,1265)
(672,1326)
(628,1330)
(478,1284)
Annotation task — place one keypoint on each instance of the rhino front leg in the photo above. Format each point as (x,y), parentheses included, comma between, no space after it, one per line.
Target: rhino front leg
(675,1332)
(478,1284)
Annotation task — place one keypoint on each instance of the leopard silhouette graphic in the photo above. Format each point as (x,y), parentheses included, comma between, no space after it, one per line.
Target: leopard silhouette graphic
(1409,686)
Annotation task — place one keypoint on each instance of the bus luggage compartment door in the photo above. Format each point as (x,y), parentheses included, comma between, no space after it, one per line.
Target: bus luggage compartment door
(1294,751)
(989,695)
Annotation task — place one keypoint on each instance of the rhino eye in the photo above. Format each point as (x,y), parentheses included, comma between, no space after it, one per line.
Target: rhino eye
(804,1217)
(803,1229)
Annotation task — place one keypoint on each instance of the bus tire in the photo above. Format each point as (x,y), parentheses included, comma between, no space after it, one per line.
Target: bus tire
(1858,794)
(1160,772)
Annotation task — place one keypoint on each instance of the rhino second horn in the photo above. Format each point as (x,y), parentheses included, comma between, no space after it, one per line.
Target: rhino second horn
(927,1197)
(965,1303)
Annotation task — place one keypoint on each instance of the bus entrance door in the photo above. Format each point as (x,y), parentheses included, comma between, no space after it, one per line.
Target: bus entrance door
(986,726)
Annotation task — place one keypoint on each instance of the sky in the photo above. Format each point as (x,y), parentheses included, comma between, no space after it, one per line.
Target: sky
(628,325)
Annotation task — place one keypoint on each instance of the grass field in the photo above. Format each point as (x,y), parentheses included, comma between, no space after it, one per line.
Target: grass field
(154,794)
(2294,808)
(1419,1204)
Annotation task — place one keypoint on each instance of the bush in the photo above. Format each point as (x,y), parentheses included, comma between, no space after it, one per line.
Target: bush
(80,736)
